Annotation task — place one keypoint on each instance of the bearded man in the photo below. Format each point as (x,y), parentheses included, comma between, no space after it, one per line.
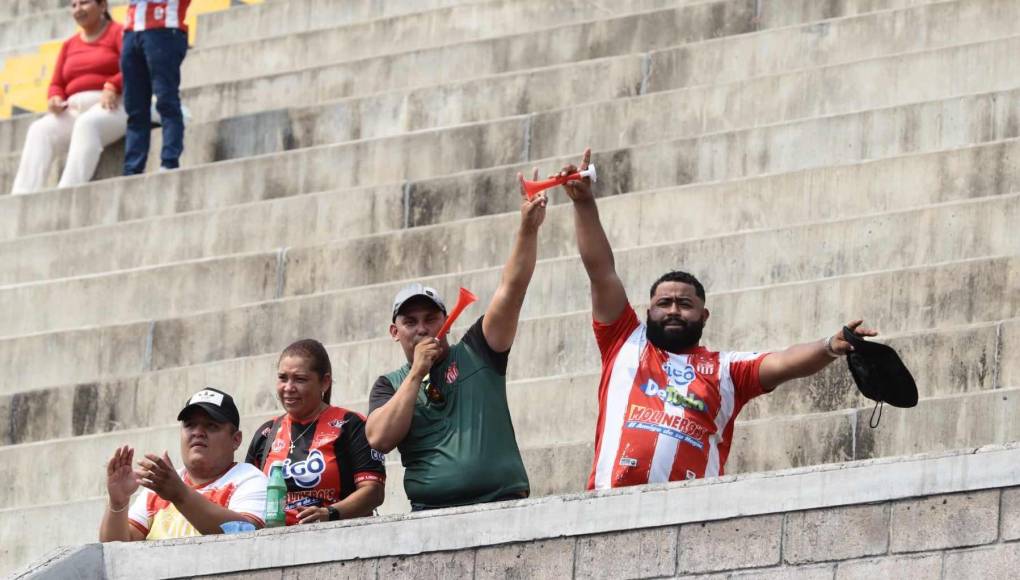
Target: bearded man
(667,405)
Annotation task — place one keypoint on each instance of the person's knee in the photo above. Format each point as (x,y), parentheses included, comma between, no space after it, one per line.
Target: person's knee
(88,131)
(168,105)
(43,125)
(42,130)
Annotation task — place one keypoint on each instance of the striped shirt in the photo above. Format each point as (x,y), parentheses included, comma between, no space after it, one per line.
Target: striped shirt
(665,416)
(151,14)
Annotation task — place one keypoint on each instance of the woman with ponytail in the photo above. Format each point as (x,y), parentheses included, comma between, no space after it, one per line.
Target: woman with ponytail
(330,470)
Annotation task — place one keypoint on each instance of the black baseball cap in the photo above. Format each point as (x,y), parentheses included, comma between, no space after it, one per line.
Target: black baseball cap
(413,291)
(879,372)
(219,405)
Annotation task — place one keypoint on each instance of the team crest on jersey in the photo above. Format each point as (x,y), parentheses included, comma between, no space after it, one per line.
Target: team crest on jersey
(337,423)
(277,445)
(452,373)
(307,473)
(705,367)
(679,376)
(323,439)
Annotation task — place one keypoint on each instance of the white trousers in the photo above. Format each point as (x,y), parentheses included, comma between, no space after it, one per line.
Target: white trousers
(82,130)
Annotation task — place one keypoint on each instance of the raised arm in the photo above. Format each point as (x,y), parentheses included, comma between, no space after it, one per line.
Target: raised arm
(500,323)
(608,297)
(804,360)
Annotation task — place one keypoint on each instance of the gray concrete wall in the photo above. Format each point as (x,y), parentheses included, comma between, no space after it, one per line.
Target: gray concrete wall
(937,516)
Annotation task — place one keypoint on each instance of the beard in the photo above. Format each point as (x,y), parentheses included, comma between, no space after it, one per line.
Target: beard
(674,339)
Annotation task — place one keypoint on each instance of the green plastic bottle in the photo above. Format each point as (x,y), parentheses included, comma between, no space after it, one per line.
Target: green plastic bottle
(276,497)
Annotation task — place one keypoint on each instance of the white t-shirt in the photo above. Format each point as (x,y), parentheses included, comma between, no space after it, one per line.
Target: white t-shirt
(241,489)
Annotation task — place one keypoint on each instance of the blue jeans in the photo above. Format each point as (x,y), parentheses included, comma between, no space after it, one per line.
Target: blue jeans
(151,63)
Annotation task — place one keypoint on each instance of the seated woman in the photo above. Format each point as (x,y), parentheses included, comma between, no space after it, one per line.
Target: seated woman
(85,113)
(331,471)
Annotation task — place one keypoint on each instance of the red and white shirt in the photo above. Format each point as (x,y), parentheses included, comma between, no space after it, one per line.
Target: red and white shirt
(241,489)
(150,14)
(665,416)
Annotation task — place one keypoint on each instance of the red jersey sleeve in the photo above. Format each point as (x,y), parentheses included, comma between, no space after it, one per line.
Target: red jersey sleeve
(610,336)
(745,370)
(58,85)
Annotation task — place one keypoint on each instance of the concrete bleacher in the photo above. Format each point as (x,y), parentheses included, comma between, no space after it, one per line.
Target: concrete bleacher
(811,162)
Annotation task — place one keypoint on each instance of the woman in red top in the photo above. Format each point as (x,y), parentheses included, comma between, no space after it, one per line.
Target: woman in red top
(85,113)
(330,470)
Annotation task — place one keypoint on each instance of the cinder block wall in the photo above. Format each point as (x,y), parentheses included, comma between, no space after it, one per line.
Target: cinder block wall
(939,537)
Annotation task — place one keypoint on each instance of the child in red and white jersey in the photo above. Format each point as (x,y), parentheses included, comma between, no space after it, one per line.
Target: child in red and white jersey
(155,44)
(152,14)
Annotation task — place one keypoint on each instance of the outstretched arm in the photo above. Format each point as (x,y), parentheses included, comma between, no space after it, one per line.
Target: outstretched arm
(608,297)
(500,323)
(804,360)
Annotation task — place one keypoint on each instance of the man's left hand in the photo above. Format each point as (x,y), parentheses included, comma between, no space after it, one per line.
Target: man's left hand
(310,515)
(158,474)
(532,210)
(840,345)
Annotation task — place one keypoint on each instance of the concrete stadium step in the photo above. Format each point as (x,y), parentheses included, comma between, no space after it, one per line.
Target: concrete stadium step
(35,29)
(800,46)
(296,16)
(402,33)
(948,175)
(541,92)
(969,420)
(705,67)
(551,354)
(961,121)
(570,43)
(82,406)
(109,352)
(210,284)
(284,17)
(22,8)
(965,420)
(704,108)
(27,26)
(794,47)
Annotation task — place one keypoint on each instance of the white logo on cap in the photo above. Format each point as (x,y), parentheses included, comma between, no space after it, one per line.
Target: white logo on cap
(207,396)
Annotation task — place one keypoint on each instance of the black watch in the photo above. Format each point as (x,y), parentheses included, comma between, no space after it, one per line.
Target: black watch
(334,514)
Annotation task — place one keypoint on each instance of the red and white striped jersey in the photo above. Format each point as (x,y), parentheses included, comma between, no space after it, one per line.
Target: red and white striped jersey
(150,14)
(665,416)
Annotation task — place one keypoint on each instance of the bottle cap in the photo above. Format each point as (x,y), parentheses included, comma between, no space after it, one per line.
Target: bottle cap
(276,464)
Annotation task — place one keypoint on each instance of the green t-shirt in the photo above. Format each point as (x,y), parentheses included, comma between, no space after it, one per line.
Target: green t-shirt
(463,450)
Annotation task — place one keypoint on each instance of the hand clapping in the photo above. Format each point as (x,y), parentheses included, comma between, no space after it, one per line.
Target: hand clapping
(158,474)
